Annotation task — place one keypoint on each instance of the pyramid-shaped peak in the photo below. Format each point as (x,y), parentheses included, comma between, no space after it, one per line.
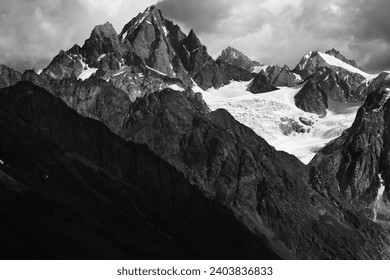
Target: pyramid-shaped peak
(76,50)
(231,51)
(233,56)
(103,40)
(152,9)
(151,16)
(193,39)
(192,34)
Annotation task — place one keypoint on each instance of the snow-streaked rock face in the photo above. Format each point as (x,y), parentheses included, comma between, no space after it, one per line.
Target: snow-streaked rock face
(264,113)
(333,61)
(315,59)
(371,85)
(332,77)
(335,53)
(147,35)
(103,40)
(65,65)
(351,76)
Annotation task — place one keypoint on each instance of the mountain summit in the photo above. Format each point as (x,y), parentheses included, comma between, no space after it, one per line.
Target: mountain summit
(148,44)
(151,53)
(235,57)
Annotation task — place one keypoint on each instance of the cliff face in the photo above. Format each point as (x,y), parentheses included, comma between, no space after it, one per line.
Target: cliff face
(361,154)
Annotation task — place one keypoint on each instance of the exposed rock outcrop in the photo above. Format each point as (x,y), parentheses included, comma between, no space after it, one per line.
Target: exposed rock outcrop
(94,98)
(103,41)
(285,78)
(371,85)
(353,161)
(311,98)
(289,126)
(261,83)
(274,76)
(64,65)
(272,71)
(9,76)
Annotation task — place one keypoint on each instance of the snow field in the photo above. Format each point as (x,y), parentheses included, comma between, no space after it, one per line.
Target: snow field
(263,113)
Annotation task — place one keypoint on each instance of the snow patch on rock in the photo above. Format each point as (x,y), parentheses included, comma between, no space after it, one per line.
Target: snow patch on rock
(175,87)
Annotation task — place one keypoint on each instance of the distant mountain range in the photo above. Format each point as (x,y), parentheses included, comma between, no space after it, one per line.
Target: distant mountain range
(112,152)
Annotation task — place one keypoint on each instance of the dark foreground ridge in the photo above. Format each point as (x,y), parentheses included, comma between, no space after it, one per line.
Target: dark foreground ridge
(75,190)
(71,189)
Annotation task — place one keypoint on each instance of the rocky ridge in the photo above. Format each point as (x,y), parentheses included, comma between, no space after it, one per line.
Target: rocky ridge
(276,77)
(75,190)
(261,83)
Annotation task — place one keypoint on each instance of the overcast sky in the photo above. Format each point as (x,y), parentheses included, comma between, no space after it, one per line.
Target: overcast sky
(280,32)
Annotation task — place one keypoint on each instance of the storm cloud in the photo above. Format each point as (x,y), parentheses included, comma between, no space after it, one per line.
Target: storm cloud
(33,32)
(281,32)
(270,31)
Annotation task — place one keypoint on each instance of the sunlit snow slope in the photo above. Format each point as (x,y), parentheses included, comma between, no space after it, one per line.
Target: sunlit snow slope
(263,113)
(338,63)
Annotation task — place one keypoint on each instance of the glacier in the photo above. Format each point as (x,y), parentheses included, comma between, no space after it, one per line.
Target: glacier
(263,113)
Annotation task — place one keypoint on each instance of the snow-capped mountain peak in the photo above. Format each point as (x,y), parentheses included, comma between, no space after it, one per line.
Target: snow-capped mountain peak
(338,55)
(333,61)
(341,78)
(302,64)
